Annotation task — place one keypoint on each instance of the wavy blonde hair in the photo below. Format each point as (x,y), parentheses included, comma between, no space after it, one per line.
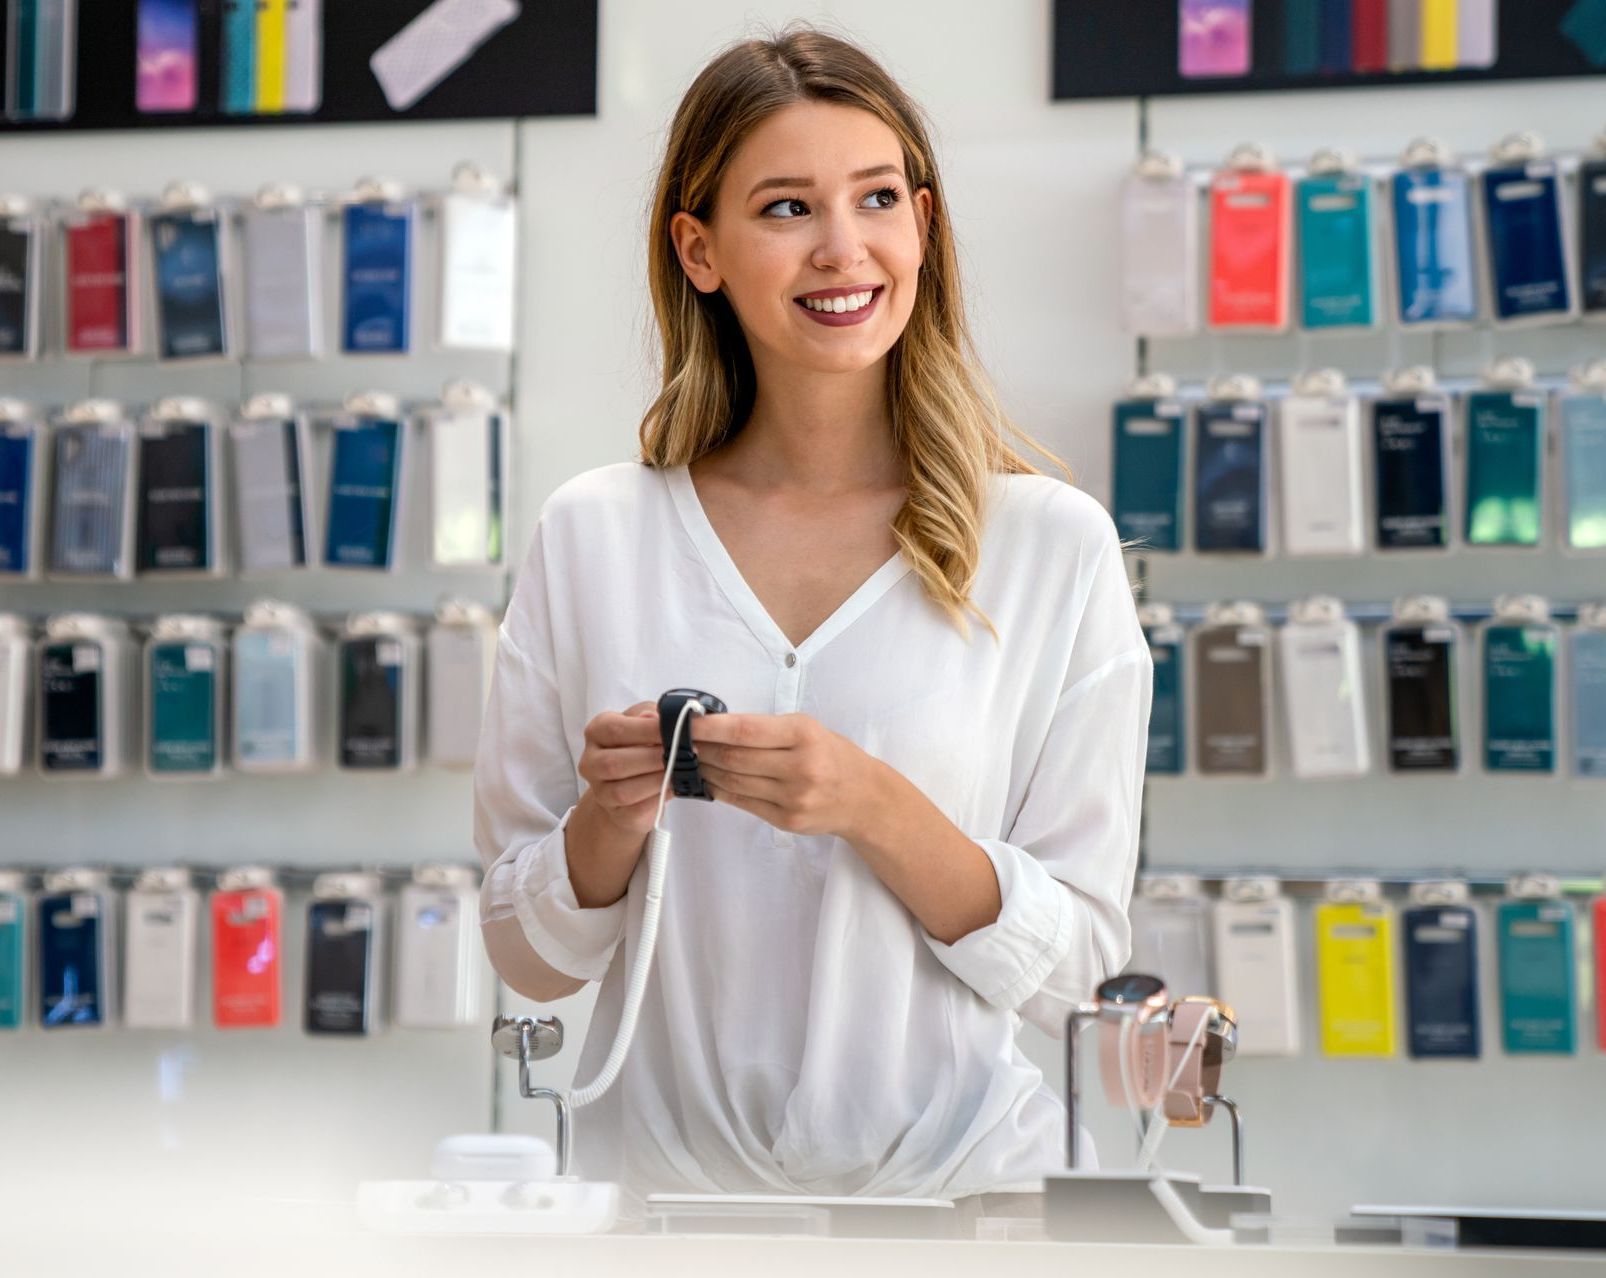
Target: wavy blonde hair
(947,425)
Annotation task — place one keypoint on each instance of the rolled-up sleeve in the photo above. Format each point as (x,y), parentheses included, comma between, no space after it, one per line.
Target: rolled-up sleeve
(526,788)
(1065,866)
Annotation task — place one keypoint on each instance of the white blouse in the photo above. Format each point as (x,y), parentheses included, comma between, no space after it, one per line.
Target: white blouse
(801,1032)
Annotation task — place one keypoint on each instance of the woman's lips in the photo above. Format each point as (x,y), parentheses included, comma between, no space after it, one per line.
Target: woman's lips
(841,319)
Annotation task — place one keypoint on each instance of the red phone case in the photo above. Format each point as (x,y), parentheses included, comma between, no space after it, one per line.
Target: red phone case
(245,958)
(1250,241)
(1599,921)
(97,284)
(1370,39)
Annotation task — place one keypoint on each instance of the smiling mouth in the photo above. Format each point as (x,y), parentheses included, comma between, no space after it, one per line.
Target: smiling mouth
(841,306)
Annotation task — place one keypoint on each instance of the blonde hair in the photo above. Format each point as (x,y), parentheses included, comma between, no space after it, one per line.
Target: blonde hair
(947,425)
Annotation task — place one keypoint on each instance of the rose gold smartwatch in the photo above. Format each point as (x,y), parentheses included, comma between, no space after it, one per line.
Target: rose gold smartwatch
(1196,1056)
(1141,1003)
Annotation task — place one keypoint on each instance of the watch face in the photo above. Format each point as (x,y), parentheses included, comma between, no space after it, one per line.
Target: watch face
(1130,988)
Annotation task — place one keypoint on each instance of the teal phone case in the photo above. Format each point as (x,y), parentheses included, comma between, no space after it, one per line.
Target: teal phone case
(1167,730)
(1519,698)
(1505,432)
(1583,450)
(1536,976)
(1337,251)
(1148,473)
(13,912)
(183,709)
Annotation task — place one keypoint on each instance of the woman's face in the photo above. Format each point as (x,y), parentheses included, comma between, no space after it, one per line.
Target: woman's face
(816,238)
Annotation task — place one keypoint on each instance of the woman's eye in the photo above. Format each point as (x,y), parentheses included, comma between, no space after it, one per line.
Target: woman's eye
(786,208)
(885,198)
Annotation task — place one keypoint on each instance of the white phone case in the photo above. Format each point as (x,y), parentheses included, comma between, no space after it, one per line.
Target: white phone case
(1323,489)
(1171,940)
(477,272)
(460,660)
(283,267)
(1257,972)
(467,485)
(160,959)
(437,957)
(303,55)
(1160,256)
(1324,700)
(16,688)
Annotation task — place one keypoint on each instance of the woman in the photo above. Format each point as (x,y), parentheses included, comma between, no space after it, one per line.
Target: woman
(920,833)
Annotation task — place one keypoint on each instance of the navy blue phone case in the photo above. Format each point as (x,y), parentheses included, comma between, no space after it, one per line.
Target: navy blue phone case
(70,964)
(377,273)
(189,285)
(1408,438)
(16,496)
(364,476)
(1230,477)
(1527,250)
(1441,980)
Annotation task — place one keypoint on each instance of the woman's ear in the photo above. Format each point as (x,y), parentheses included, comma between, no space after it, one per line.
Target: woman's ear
(692,246)
(923,217)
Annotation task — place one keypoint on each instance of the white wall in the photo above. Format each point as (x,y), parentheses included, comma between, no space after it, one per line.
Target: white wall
(1033,188)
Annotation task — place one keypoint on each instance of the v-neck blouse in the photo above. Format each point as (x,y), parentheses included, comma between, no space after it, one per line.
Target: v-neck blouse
(801,1031)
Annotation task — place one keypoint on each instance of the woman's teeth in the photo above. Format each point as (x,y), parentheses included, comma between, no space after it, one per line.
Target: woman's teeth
(852,302)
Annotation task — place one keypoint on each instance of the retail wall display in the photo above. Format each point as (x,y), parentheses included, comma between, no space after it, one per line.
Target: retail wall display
(1160,249)
(84,717)
(1355,971)
(1368,949)
(22,471)
(1470,239)
(1257,967)
(22,244)
(1232,691)
(160,946)
(64,941)
(1527,667)
(1163,47)
(42,59)
(1440,935)
(379,661)
(1363,470)
(344,936)
(158,63)
(1537,963)
(1251,243)
(1520,650)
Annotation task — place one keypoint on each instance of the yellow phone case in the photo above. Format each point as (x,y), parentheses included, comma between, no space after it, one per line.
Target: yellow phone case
(272,18)
(1355,975)
(1440,35)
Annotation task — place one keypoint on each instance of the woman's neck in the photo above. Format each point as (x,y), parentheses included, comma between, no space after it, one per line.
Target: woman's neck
(820,433)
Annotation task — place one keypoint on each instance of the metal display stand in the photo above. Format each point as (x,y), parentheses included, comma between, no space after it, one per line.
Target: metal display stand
(527,1039)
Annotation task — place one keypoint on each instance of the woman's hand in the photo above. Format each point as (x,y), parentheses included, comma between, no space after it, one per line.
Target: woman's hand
(623,764)
(785,769)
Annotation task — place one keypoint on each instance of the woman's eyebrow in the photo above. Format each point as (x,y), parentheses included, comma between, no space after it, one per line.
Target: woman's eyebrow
(799,182)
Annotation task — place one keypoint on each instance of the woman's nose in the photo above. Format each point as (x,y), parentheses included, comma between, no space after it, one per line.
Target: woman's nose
(841,246)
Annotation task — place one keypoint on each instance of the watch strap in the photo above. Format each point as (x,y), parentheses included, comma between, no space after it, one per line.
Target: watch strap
(1146,1059)
(1196,1066)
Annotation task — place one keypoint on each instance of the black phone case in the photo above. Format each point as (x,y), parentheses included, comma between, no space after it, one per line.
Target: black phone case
(370,706)
(340,964)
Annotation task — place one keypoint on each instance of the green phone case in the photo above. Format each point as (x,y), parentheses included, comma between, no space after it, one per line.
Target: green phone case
(1536,976)
(1337,251)
(1505,432)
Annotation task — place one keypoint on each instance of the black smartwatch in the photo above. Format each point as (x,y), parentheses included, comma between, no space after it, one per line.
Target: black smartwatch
(684,778)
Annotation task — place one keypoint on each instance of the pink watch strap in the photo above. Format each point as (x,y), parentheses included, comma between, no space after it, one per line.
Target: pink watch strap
(1198,1070)
(1146,1056)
